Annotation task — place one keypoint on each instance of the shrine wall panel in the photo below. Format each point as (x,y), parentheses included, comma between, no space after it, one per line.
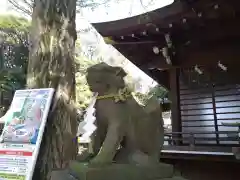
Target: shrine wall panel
(205,110)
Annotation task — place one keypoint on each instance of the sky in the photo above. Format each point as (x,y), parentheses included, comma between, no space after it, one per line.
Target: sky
(115,11)
(3,5)
(123,9)
(4,8)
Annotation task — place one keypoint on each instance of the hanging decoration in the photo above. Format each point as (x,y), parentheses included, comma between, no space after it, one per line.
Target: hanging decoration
(168,40)
(194,77)
(167,51)
(144,33)
(199,71)
(156,50)
(165,54)
(223,67)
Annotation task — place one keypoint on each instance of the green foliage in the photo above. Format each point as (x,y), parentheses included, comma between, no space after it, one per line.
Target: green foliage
(11,79)
(13,54)
(14,23)
(157,92)
(83,93)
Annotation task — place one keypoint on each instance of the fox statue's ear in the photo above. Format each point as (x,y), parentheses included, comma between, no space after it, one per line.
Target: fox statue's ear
(120,72)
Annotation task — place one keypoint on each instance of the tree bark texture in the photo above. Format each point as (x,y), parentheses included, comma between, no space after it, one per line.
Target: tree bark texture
(51,64)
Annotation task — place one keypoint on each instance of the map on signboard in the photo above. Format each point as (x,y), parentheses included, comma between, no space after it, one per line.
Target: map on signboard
(23,119)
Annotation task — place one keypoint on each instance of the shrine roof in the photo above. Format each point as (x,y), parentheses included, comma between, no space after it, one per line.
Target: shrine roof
(139,23)
(200,32)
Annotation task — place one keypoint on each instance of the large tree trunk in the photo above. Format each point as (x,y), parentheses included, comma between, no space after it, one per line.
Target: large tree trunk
(51,64)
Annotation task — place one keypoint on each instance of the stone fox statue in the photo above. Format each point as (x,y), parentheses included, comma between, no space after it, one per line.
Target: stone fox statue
(126,132)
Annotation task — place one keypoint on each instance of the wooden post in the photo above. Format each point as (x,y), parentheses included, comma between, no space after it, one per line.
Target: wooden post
(175,105)
(215,114)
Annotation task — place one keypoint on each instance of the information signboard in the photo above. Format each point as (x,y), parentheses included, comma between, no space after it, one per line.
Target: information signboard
(22,134)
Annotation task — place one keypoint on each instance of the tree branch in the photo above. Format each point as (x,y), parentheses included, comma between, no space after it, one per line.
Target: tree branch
(26,6)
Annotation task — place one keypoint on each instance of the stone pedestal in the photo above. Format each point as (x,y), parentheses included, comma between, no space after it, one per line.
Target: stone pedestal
(83,171)
(62,175)
(174,178)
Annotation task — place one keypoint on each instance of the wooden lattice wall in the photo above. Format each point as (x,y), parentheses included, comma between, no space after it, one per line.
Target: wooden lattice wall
(205,108)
